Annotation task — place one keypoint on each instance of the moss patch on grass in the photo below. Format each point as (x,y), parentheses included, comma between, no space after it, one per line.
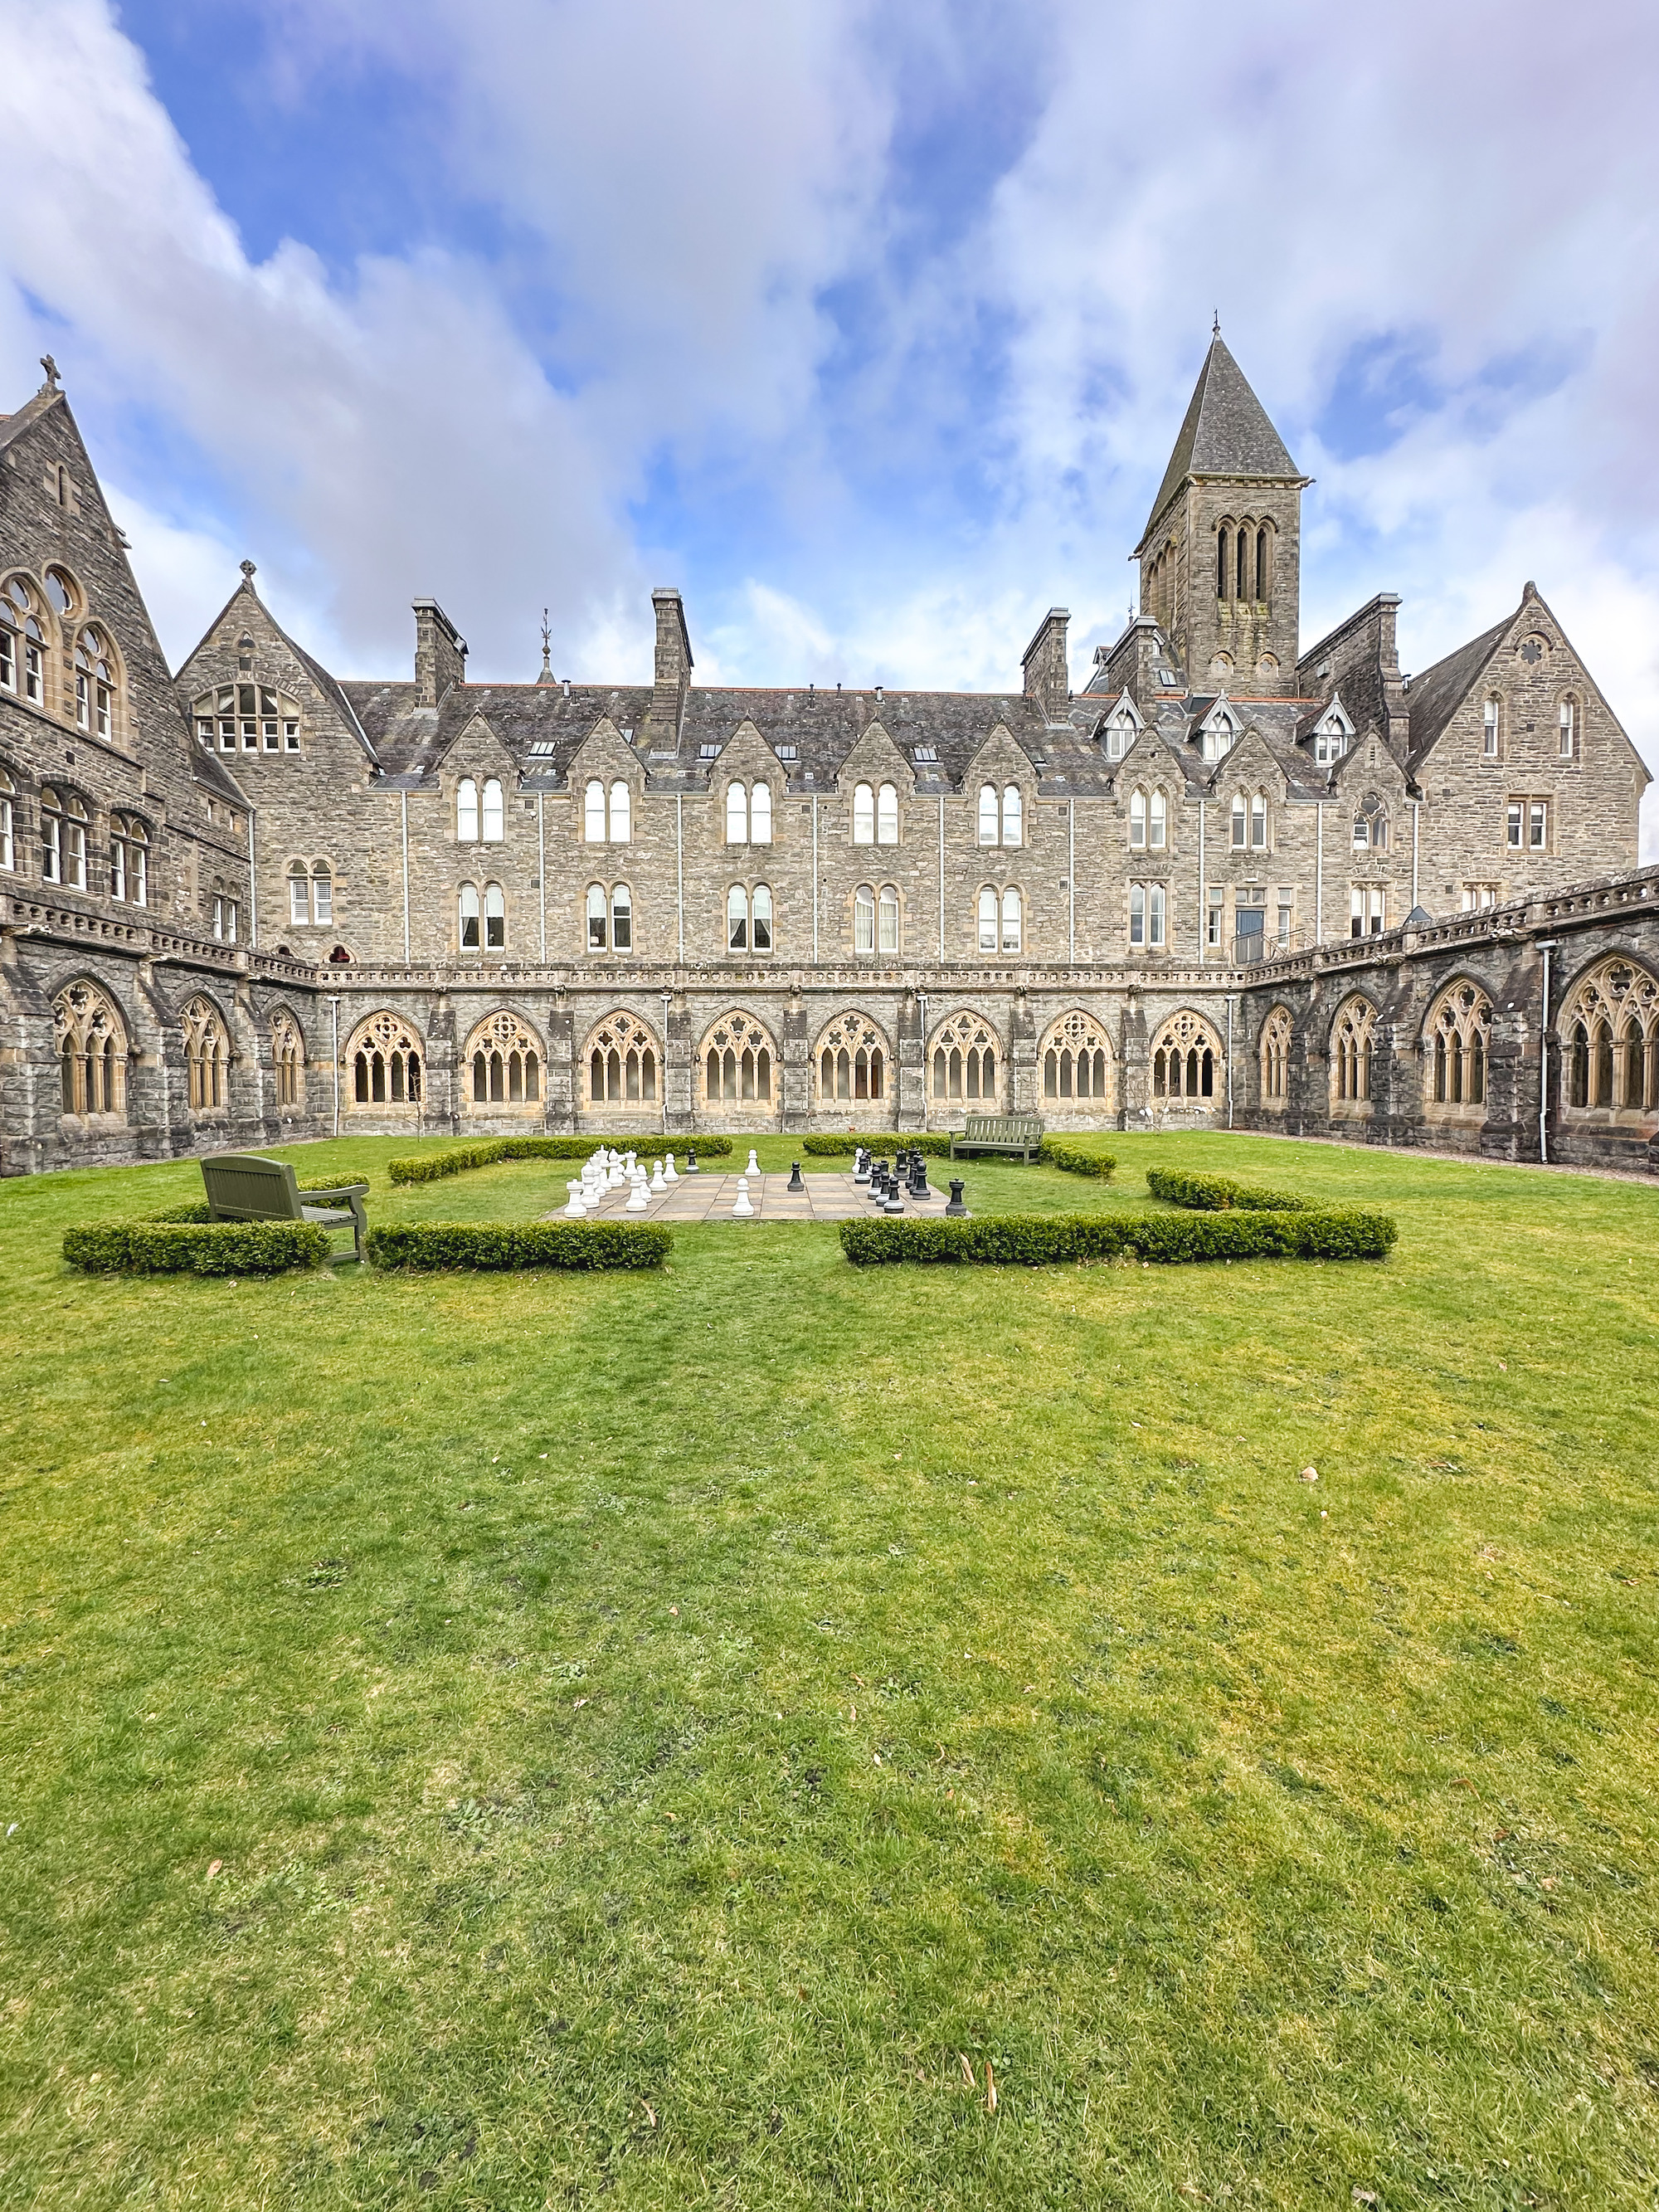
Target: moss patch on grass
(648,1739)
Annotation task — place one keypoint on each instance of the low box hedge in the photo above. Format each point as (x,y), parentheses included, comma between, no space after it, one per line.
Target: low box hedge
(1042,1240)
(184,1242)
(504,1247)
(827,1146)
(1076,1159)
(431,1167)
(1217,1194)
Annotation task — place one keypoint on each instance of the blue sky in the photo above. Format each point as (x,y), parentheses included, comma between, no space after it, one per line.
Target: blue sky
(869,328)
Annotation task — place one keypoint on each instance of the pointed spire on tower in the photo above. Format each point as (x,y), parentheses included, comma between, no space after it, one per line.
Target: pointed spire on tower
(547,675)
(1227,432)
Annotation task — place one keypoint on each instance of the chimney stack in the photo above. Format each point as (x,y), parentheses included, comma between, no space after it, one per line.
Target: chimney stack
(672,678)
(1047,673)
(440,655)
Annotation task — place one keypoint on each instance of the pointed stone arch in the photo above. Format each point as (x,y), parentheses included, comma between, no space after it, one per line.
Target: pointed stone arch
(1188,1065)
(1608,1028)
(621,1064)
(1274,1056)
(89,1037)
(1076,1067)
(207,1054)
(1456,1050)
(288,1062)
(738,1067)
(852,1061)
(383,1062)
(967,1063)
(503,1066)
(1353,1041)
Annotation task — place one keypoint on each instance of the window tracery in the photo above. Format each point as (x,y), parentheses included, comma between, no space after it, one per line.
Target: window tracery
(288,1059)
(852,1061)
(1460,1028)
(503,1058)
(384,1053)
(22,642)
(253,717)
(1610,1032)
(90,1040)
(964,1059)
(738,1057)
(1187,1059)
(622,1059)
(1076,1059)
(1275,1057)
(1351,1038)
(207,1055)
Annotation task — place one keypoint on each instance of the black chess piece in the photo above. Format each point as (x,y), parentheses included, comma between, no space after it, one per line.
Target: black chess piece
(794,1182)
(690,1163)
(956,1205)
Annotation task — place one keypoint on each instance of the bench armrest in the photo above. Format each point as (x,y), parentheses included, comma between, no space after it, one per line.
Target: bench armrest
(353,1195)
(346,1190)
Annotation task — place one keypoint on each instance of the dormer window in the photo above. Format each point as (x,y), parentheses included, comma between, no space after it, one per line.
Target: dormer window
(1330,741)
(1120,734)
(1219,735)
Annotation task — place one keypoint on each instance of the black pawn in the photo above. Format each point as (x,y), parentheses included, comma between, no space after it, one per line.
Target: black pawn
(956,1205)
(795,1183)
(690,1163)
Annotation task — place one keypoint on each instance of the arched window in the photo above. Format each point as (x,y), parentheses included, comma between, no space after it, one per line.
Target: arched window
(466,811)
(738,1063)
(1350,1054)
(593,812)
(64,827)
(622,919)
(384,1056)
(1263,565)
(965,1061)
(1222,564)
(7,839)
(287,1060)
(1460,1030)
(1188,1062)
(988,920)
(262,718)
(864,815)
(1611,1024)
(469,914)
(1371,825)
(24,638)
(1275,1057)
(1014,816)
(1157,819)
(736,918)
(598,922)
(622,1062)
(494,813)
(1075,1058)
(503,1058)
(1243,591)
(887,908)
(129,860)
(1137,821)
(1011,916)
(1241,822)
(988,830)
(1259,822)
(761,918)
(864,918)
(495,916)
(736,815)
(622,813)
(851,1061)
(760,815)
(1566,729)
(887,819)
(207,1055)
(90,1040)
(322,891)
(94,684)
(299,893)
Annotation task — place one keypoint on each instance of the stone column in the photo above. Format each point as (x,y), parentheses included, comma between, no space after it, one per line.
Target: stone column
(1133,1064)
(1511,1129)
(680,1074)
(912,1063)
(796,1079)
(1022,1094)
(559,1099)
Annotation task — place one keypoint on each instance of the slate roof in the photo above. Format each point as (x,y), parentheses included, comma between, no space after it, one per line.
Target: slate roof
(12,426)
(1436,696)
(1226,432)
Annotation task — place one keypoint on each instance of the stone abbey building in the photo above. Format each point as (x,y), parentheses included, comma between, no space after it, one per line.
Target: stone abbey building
(1224,880)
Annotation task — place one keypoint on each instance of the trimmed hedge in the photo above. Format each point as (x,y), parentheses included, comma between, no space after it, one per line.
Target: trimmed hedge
(508,1245)
(1073,1159)
(1042,1240)
(184,1244)
(1216,1194)
(930,1141)
(431,1167)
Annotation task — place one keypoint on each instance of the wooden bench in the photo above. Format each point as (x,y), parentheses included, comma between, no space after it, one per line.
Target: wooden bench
(1013,1133)
(242,1187)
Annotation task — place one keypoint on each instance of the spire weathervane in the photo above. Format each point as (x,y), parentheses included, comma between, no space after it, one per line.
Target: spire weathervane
(1215,327)
(547,660)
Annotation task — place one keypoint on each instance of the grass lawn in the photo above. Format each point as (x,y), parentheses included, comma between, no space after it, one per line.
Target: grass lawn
(671,1741)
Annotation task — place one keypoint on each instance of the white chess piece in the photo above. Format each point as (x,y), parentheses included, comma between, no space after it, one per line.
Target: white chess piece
(743,1209)
(669,1172)
(638,1199)
(617,1174)
(657,1182)
(753,1167)
(612,1158)
(629,1162)
(576,1209)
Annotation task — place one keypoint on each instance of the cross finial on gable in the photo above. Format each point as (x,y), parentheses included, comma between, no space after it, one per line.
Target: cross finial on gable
(247,571)
(51,367)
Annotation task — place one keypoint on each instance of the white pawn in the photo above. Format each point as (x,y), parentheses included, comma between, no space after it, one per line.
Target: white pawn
(743,1208)
(753,1167)
(657,1182)
(612,1157)
(638,1199)
(629,1162)
(577,1209)
(617,1175)
(669,1173)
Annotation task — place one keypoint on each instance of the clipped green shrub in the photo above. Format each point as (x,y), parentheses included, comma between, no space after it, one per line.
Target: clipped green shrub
(824,1146)
(192,1246)
(1042,1240)
(1076,1159)
(431,1167)
(504,1247)
(1217,1194)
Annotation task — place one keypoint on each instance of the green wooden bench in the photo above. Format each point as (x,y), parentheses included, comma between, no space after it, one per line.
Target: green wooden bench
(1020,1134)
(242,1187)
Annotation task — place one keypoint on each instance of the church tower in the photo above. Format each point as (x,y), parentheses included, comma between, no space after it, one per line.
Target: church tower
(1220,557)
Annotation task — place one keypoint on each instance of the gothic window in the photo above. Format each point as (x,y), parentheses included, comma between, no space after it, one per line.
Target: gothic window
(736,918)
(864,815)
(1491,729)
(90,1040)
(1263,565)
(1566,729)
(1371,825)
(851,1061)
(94,684)
(466,811)
(129,860)
(1460,1030)
(622,813)
(1275,1057)
(383,1055)
(1119,733)
(1259,822)
(62,591)
(1223,536)
(63,839)
(864,918)
(964,1060)
(747,814)
(8,838)
(1330,740)
(503,1063)
(760,814)
(256,716)
(23,643)
(1013,920)
(322,891)
(1241,821)
(622,919)
(1187,1061)
(1350,1054)
(737,1062)
(597,918)
(288,1059)
(989,828)
(1075,1060)
(736,815)
(761,918)
(469,933)
(207,1055)
(1137,821)
(494,813)
(494,918)
(299,894)
(887,818)
(1014,816)
(988,920)
(887,911)
(1242,580)
(1611,1028)
(1157,822)
(593,812)
(622,1063)
(1148,916)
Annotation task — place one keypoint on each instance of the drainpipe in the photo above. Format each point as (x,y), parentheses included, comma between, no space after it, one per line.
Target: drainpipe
(1229,1060)
(667,998)
(402,796)
(1319,872)
(922,1000)
(815,879)
(1417,809)
(541,863)
(334,1008)
(252,886)
(941,877)
(1203,917)
(1071,881)
(679,874)
(1546,946)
